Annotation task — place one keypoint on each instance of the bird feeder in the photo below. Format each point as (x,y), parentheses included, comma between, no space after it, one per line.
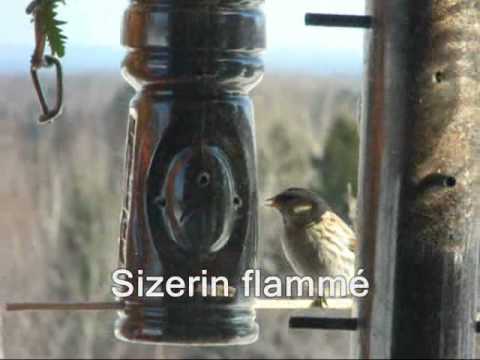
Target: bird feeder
(191,194)
(419,180)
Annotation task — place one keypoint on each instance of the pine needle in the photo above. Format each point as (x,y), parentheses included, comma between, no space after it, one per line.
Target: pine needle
(52,26)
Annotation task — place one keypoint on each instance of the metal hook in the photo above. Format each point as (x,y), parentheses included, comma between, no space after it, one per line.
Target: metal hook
(49,115)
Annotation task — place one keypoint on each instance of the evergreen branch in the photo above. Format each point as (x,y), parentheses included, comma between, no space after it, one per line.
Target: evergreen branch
(47,13)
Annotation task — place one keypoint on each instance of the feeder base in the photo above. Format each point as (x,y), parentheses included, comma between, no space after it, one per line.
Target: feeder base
(187,324)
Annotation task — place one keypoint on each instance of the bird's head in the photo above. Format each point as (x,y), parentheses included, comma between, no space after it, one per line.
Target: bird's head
(298,206)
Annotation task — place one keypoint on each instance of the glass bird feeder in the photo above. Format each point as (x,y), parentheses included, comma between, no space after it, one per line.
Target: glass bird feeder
(191,192)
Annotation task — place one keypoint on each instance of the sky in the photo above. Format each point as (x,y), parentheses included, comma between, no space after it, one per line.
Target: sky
(96,24)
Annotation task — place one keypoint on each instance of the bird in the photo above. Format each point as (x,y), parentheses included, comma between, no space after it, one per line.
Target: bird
(316,242)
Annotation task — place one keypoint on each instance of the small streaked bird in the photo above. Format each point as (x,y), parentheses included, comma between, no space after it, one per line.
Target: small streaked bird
(317,242)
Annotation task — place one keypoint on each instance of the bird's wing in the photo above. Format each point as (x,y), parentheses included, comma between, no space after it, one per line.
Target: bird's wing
(335,243)
(345,235)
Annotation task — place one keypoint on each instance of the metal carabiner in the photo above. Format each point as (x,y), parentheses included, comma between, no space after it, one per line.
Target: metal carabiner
(40,61)
(49,115)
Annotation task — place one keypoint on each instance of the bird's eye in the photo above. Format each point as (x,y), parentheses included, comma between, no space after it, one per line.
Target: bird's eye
(302,209)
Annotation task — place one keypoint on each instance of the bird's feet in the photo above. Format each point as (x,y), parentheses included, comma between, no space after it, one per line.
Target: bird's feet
(320,302)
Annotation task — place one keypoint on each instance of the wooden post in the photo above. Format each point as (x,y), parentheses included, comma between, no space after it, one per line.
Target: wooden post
(419,190)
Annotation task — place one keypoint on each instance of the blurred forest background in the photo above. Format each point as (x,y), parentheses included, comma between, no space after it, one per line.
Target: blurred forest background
(60,201)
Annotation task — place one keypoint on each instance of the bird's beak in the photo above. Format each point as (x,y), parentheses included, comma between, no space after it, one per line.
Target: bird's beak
(271,203)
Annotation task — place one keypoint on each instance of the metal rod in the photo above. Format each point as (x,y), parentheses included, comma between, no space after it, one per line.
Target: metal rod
(260,304)
(323,323)
(419,237)
(81,306)
(353,21)
(293,304)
